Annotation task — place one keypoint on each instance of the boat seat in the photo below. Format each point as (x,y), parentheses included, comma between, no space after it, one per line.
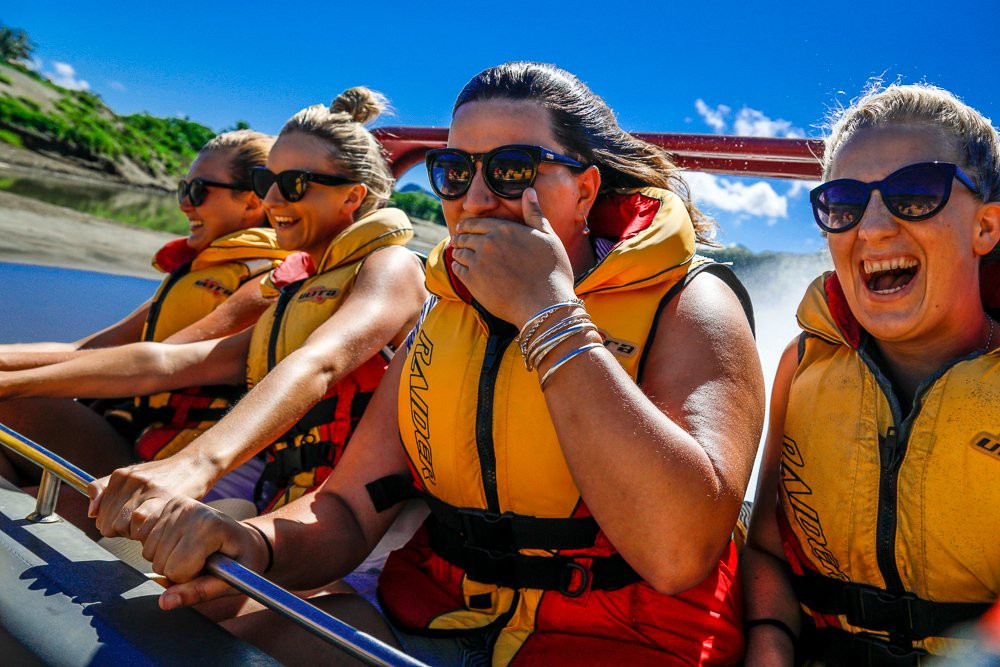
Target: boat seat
(67,601)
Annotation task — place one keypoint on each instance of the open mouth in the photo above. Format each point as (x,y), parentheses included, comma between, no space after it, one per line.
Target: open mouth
(282,222)
(886,276)
(195,225)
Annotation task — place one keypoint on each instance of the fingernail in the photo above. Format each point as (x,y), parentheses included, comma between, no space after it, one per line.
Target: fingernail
(170,601)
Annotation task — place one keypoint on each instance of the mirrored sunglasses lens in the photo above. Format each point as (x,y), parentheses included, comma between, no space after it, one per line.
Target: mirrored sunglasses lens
(261,180)
(292,184)
(450,175)
(182,191)
(510,172)
(918,193)
(197,192)
(842,205)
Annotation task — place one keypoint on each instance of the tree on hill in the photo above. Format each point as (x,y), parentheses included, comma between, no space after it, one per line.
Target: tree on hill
(15,47)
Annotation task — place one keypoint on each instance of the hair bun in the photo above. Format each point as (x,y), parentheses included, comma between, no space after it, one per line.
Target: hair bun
(361,104)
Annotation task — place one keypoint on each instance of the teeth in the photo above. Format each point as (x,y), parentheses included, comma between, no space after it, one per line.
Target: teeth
(874,266)
(281,220)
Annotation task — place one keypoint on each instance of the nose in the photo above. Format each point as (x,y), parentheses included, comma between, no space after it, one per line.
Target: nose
(273,197)
(185,204)
(479,198)
(877,222)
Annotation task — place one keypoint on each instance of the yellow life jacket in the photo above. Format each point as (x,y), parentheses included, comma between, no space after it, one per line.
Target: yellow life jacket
(510,543)
(888,513)
(197,283)
(306,298)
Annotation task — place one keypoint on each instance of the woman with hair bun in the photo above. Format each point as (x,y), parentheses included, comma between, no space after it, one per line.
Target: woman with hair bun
(209,291)
(579,409)
(874,534)
(312,360)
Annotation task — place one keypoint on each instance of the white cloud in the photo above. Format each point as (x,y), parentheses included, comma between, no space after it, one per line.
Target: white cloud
(116,85)
(714,118)
(65,76)
(757,199)
(753,123)
(748,122)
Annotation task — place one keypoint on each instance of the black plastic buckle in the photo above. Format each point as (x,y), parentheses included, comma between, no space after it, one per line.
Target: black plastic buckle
(566,580)
(488,531)
(490,567)
(876,609)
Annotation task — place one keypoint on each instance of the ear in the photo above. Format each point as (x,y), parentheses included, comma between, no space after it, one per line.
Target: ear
(987,231)
(589,182)
(253,210)
(355,196)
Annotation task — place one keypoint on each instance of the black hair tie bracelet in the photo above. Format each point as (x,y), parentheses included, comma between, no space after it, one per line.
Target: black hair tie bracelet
(781,625)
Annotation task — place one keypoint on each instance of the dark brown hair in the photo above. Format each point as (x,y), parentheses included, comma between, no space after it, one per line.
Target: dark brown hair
(587,129)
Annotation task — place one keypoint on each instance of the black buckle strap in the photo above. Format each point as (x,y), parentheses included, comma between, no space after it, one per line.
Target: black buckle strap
(873,608)
(292,460)
(836,648)
(514,570)
(507,532)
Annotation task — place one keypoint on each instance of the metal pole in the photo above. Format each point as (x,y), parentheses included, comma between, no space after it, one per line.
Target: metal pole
(45,504)
(358,644)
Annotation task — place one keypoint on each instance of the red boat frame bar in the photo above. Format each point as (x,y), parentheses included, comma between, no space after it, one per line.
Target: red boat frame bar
(767,157)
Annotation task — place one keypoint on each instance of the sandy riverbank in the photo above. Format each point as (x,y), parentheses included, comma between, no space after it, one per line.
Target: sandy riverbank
(33,232)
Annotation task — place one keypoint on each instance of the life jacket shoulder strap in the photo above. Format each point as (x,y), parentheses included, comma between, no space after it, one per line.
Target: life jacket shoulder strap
(721,271)
(874,608)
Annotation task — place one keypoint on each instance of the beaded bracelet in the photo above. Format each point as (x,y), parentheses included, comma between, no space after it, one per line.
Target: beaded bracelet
(270,549)
(550,344)
(541,316)
(578,351)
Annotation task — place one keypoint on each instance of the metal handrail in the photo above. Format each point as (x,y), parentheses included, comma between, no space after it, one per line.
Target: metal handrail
(358,644)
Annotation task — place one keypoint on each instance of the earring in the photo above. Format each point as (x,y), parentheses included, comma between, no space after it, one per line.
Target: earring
(586,227)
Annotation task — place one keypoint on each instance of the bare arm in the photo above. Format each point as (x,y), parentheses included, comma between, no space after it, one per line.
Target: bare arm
(18,356)
(767,590)
(381,308)
(235,314)
(338,521)
(136,369)
(686,438)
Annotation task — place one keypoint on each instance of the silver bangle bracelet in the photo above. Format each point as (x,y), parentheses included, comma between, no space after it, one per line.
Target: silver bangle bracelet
(541,316)
(551,343)
(575,353)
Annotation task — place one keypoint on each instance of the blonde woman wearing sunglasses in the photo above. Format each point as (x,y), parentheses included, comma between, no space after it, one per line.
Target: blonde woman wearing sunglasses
(877,505)
(579,408)
(209,291)
(313,358)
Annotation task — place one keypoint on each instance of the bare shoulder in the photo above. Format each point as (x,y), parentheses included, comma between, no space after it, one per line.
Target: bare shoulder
(708,315)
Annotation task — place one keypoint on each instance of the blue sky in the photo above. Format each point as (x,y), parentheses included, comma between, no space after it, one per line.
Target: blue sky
(762,68)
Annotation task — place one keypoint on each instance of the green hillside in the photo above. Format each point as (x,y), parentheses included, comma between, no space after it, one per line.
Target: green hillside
(77,127)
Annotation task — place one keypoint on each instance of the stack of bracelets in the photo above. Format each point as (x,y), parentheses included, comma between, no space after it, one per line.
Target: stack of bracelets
(536,344)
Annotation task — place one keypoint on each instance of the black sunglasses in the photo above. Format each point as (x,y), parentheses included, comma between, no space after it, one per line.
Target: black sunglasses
(197,189)
(507,170)
(293,183)
(915,192)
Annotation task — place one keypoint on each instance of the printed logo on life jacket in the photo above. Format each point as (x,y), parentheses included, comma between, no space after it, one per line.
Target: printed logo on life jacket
(806,517)
(423,348)
(318,294)
(214,286)
(619,348)
(987,443)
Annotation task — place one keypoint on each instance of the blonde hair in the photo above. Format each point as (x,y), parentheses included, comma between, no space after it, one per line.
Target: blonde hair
(249,149)
(974,138)
(353,150)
